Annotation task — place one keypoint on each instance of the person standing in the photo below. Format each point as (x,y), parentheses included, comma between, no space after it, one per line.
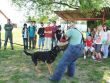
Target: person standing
(108,42)
(0,36)
(48,37)
(54,29)
(58,33)
(25,36)
(93,31)
(35,38)
(72,53)
(104,42)
(8,34)
(41,36)
(31,32)
(88,33)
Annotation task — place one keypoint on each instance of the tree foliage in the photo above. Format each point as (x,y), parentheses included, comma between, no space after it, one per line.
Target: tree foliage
(51,4)
(45,8)
(46,3)
(31,18)
(44,19)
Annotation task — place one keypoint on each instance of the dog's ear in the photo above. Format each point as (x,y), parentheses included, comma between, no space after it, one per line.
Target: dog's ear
(24,50)
(57,48)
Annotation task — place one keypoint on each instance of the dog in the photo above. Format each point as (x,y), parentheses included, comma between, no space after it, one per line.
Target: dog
(45,56)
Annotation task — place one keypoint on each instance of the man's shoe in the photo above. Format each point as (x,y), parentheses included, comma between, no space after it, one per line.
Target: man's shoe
(93,58)
(53,80)
(4,48)
(12,48)
(104,57)
(84,57)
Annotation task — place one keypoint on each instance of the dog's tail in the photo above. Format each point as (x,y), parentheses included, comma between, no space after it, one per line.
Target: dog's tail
(27,53)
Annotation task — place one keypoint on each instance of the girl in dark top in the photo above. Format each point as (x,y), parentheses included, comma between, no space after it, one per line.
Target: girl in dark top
(58,33)
(25,36)
(41,36)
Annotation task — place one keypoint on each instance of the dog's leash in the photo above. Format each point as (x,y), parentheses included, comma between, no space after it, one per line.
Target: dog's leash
(14,43)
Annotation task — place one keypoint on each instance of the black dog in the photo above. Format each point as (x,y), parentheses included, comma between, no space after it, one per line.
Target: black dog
(45,56)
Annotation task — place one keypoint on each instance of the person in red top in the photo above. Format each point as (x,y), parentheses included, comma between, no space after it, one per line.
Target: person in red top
(48,37)
(89,46)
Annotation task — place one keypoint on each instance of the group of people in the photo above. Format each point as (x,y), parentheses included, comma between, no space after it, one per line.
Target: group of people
(47,36)
(97,42)
(51,35)
(29,35)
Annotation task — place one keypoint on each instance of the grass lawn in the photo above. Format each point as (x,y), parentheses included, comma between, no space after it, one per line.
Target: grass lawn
(16,67)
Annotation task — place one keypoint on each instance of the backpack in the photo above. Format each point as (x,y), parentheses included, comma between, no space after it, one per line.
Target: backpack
(33,28)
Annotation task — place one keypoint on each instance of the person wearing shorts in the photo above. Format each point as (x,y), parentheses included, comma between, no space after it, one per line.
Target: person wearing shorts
(98,43)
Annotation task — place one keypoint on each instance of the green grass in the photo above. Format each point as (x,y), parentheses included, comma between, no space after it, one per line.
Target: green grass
(16,67)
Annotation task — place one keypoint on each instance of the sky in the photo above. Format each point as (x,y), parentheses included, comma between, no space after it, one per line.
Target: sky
(11,12)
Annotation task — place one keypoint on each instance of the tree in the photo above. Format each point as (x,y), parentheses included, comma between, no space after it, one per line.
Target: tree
(43,19)
(42,7)
(56,4)
(31,18)
(46,7)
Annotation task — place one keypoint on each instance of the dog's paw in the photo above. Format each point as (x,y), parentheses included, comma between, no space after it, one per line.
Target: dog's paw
(38,71)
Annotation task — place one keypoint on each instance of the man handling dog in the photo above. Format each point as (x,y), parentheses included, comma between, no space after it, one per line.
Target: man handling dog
(71,54)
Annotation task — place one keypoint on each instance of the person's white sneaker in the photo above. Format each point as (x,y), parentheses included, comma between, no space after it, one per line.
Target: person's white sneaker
(104,57)
(84,57)
(93,58)
(108,81)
